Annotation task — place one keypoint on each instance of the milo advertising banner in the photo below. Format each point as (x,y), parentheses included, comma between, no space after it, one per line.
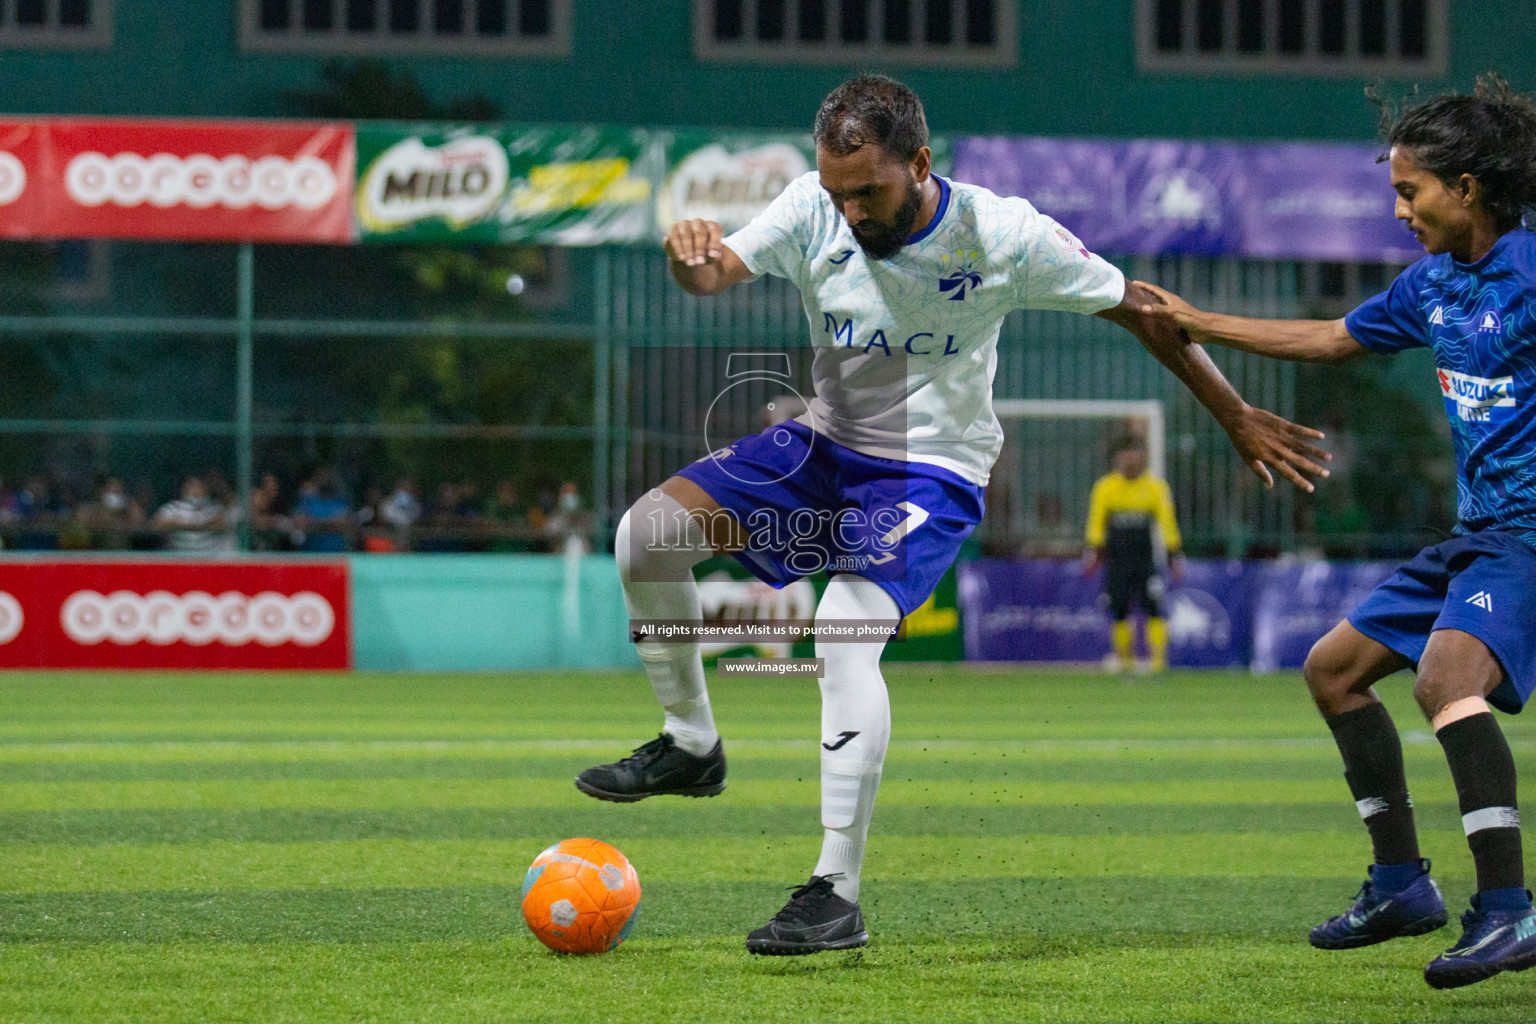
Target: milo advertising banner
(568,185)
(728,178)
(506,183)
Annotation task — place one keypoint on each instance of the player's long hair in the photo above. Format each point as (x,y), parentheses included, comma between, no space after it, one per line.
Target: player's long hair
(1490,135)
(872,109)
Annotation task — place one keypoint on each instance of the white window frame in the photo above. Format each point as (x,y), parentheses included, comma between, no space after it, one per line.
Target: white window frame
(1003,53)
(425,42)
(53,36)
(1309,63)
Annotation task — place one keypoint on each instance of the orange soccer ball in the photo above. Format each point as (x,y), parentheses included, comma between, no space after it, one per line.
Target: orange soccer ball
(581,896)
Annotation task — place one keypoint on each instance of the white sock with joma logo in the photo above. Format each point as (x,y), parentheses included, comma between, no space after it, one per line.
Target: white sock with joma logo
(855,730)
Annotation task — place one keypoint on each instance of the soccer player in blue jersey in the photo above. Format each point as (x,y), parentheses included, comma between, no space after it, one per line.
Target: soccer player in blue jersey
(905,278)
(1462,612)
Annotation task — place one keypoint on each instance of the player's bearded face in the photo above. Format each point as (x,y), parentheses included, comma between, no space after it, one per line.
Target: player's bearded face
(882,239)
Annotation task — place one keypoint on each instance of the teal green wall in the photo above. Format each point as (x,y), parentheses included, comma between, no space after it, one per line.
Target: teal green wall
(485,613)
(1075,75)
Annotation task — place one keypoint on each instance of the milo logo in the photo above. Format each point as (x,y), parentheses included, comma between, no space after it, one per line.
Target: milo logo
(729,188)
(461,181)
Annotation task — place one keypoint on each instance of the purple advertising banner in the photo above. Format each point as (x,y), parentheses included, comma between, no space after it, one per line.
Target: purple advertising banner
(1152,197)
(1295,604)
(1041,609)
(1047,610)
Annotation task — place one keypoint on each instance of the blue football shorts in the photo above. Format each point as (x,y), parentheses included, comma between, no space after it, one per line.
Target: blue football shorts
(809,504)
(1482,583)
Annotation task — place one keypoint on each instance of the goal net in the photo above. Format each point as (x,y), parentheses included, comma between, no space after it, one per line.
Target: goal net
(1053,451)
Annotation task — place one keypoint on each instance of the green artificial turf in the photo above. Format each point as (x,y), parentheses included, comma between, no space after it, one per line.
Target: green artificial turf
(1048,847)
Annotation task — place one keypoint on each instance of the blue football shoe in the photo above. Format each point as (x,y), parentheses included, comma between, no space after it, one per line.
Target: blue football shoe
(1376,917)
(1491,941)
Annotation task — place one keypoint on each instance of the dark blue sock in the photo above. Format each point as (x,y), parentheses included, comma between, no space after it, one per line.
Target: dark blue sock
(1504,899)
(1391,879)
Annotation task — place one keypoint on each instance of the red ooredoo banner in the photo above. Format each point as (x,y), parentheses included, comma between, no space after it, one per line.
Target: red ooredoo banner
(174,614)
(195,180)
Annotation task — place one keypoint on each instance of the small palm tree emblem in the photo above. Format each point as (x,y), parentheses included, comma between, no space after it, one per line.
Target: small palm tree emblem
(962,274)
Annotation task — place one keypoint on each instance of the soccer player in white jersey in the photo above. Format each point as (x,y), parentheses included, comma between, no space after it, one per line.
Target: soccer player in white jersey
(906,278)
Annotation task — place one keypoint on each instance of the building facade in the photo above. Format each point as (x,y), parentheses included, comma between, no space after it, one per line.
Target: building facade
(1185,68)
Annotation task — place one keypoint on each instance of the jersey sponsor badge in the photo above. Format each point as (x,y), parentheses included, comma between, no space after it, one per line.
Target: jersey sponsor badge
(1069,242)
(1477,399)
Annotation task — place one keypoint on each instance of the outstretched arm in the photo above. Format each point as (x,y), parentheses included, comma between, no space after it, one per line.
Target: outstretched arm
(1302,341)
(700,263)
(1263,439)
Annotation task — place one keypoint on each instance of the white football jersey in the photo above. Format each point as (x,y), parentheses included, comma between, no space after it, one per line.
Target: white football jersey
(905,349)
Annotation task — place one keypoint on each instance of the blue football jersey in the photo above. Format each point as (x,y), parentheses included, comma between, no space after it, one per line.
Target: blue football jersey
(1480,320)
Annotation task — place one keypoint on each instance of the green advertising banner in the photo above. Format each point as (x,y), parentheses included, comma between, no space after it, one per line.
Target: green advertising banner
(729,593)
(567,185)
(508,183)
(933,629)
(728,178)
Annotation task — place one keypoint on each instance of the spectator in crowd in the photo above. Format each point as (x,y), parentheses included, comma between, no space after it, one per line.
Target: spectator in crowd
(544,501)
(444,511)
(111,516)
(449,520)
(205,514)
(506,520)
(268,525)
(402,508)
(35,515)
(37,504)
(218,488)
(373,534)
(143,494)
(569,523)
(468,508)
(72,533)
(195,521)
(321,514)
(222,493)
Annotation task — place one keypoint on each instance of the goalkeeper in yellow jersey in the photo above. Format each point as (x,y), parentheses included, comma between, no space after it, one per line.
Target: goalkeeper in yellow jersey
(1128,504)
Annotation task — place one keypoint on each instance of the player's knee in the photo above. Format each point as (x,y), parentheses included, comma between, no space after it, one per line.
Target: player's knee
(1435,690)
(1327,675)
(846,603)
(652,531)
(1428,692)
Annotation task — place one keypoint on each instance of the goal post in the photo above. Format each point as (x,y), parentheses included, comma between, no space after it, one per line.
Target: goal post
(1054,450)
(1150,410)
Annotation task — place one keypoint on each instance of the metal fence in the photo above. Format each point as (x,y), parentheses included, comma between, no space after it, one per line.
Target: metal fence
(587,367)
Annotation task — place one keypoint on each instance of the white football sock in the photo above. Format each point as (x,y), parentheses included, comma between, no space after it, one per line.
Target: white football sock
(657,546)
(856,720)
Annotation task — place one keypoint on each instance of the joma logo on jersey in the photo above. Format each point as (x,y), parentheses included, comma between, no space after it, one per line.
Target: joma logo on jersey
(1477,399)
(924,343)
(962,274)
